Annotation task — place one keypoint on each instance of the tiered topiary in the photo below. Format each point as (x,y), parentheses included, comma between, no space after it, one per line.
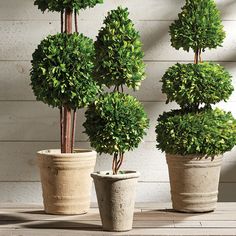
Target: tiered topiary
(62,67)
(116,123)
(195,136)
(197,127)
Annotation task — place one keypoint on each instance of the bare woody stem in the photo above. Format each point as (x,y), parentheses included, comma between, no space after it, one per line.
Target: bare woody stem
(66,138)
(117,163)
(73,130)
(198,56)
(61,127)
(76,21)
(62,21)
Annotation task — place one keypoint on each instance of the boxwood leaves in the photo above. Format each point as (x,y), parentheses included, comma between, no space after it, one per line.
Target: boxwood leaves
(207,131)
(62,68)
(60,5)
(118,52)
(116,123)
(191,85)
(199,26)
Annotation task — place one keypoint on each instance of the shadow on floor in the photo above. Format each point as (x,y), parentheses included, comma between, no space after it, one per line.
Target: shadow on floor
(69,225)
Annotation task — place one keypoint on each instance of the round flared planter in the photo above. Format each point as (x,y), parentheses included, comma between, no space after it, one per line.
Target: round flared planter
(66,181)
(116,199)
(194,181)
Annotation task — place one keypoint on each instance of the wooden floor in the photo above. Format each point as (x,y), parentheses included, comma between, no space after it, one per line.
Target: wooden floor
(149,219)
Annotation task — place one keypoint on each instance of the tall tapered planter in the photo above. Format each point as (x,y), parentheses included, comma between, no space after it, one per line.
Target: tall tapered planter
(194,181)
(66,181)
(116,199)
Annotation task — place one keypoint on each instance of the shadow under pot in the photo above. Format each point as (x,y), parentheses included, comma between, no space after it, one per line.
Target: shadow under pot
(66,181)
(116,199)
(194,182)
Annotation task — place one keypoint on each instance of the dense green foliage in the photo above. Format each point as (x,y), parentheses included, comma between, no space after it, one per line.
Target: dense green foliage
(116,123)
(208,131)
(118,52)
(62,68)
(59,5)
(199,26)
(196,128)
(191,85)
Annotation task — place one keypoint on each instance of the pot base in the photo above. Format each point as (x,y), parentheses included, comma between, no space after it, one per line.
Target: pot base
(194,181)
(66,181)
(116,199)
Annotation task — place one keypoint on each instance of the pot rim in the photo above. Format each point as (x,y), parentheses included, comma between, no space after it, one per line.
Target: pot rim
(129,174)
(57,153)
(189,156)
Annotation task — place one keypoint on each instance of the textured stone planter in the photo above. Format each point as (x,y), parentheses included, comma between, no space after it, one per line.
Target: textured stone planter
(66,181)
(116,199)
(194,182)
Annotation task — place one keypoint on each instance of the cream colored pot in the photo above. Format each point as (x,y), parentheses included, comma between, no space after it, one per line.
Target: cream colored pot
(116,199)
(66,181)
(194,181)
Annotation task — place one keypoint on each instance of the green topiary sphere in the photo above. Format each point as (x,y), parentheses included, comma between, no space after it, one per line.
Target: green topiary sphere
(118,52)
(210,132)
(60,5)
(191,85)
(199,26)
(116,123)
(62,68)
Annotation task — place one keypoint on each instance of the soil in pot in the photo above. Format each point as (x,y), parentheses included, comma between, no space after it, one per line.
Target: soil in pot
(66,181)
(194,181)
(116,199)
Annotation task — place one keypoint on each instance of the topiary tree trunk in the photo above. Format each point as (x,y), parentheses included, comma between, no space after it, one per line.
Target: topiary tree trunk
(67,114)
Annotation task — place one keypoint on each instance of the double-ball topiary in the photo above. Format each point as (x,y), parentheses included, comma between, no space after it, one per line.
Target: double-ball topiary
(116,122)
(62,69)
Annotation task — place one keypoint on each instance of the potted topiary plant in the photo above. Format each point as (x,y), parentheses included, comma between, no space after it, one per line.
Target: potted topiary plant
(195,137)
(61,76)
(116,122)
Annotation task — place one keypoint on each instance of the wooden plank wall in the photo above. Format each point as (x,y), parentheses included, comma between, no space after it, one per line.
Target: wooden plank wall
(27,126)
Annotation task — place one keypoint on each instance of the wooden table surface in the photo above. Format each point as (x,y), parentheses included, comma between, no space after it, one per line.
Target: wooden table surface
(149,219)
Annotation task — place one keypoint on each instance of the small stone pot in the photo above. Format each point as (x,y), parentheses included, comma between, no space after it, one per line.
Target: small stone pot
(66,181)
(116,199)
(194,181)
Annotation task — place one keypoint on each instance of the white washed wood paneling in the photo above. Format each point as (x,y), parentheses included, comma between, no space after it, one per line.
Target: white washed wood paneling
(18,39)
(15,81)
(23,156)
(27,126)
(30,192)
(150,10)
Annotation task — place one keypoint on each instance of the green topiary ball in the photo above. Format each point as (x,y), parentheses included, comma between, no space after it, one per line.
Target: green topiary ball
(116,123)
(119,52)
(199,26)
(62,68)
(60,5)
(193,84)
(210,132)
